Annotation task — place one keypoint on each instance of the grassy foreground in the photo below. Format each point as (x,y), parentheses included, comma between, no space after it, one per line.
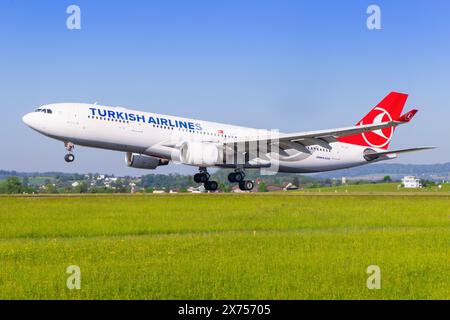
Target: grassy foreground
(264,246)
(377,188)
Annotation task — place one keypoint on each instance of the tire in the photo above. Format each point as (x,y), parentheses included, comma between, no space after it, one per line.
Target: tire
(201,177)
(197,178)
(204,177)
(211,185)
(246,185)
(249,185)
(69,157)
(231,177)
(238,177)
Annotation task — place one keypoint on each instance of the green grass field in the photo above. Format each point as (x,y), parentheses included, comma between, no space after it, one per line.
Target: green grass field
(379,188)
(263,246)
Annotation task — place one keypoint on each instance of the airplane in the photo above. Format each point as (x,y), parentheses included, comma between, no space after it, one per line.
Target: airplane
(150,140)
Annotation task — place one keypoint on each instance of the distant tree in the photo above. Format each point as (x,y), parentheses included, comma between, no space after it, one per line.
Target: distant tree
(26,187)
(3,188)
(224,187)
(170,181)
(49,188)
(14,185)
(67,189)
(100,190)
(262,187)
(428,183)
(81,187)
(25,182)
(387,179)
(120,186)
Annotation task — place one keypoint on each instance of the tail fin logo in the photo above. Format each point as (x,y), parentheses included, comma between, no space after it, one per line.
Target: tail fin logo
(378,138)
(389,109)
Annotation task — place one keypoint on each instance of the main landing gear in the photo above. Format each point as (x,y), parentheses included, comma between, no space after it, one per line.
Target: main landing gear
(69,147)
(203,177)
(238,176)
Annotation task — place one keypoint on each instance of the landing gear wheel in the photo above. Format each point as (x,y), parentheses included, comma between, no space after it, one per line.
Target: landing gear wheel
(211,185)
(237,176)
(231,177)
(201,177)
(69,157)
(204,177)
(246,185)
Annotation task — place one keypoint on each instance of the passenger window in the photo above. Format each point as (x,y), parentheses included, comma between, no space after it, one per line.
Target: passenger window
(49,111)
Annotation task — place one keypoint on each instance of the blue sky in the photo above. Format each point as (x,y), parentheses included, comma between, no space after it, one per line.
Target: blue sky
(291,65)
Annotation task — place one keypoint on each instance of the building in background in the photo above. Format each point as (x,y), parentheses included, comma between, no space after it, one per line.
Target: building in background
(289,186)
(411,182)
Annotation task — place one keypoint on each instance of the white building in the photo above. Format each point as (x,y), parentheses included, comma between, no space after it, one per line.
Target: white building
(200,189)
(411,182)
(290,186)
(75,184)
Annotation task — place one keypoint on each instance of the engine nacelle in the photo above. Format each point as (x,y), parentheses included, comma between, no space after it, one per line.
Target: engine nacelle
(200,154)
(144,162)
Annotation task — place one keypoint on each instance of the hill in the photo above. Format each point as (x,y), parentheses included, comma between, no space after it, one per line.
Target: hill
(395,170)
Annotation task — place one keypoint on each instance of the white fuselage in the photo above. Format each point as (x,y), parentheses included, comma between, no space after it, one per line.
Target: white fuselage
(126,130)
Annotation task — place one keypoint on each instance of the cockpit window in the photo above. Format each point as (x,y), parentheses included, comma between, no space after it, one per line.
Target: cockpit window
(43,110)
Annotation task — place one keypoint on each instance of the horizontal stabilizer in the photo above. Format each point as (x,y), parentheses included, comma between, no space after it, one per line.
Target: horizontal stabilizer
(393,153)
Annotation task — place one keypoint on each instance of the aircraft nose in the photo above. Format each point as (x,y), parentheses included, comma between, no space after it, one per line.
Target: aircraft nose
(33,121)
(27,119)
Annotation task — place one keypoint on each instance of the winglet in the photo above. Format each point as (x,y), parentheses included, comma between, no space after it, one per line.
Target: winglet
(408,116)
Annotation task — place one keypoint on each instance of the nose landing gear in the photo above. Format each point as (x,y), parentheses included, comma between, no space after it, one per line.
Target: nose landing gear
(69,147)
(69,157)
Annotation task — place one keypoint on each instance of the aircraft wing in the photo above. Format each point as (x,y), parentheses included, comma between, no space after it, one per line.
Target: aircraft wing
(280,143)
(320,137)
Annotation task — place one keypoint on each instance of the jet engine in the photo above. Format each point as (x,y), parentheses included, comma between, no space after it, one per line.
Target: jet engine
(144,162)
(199,154)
